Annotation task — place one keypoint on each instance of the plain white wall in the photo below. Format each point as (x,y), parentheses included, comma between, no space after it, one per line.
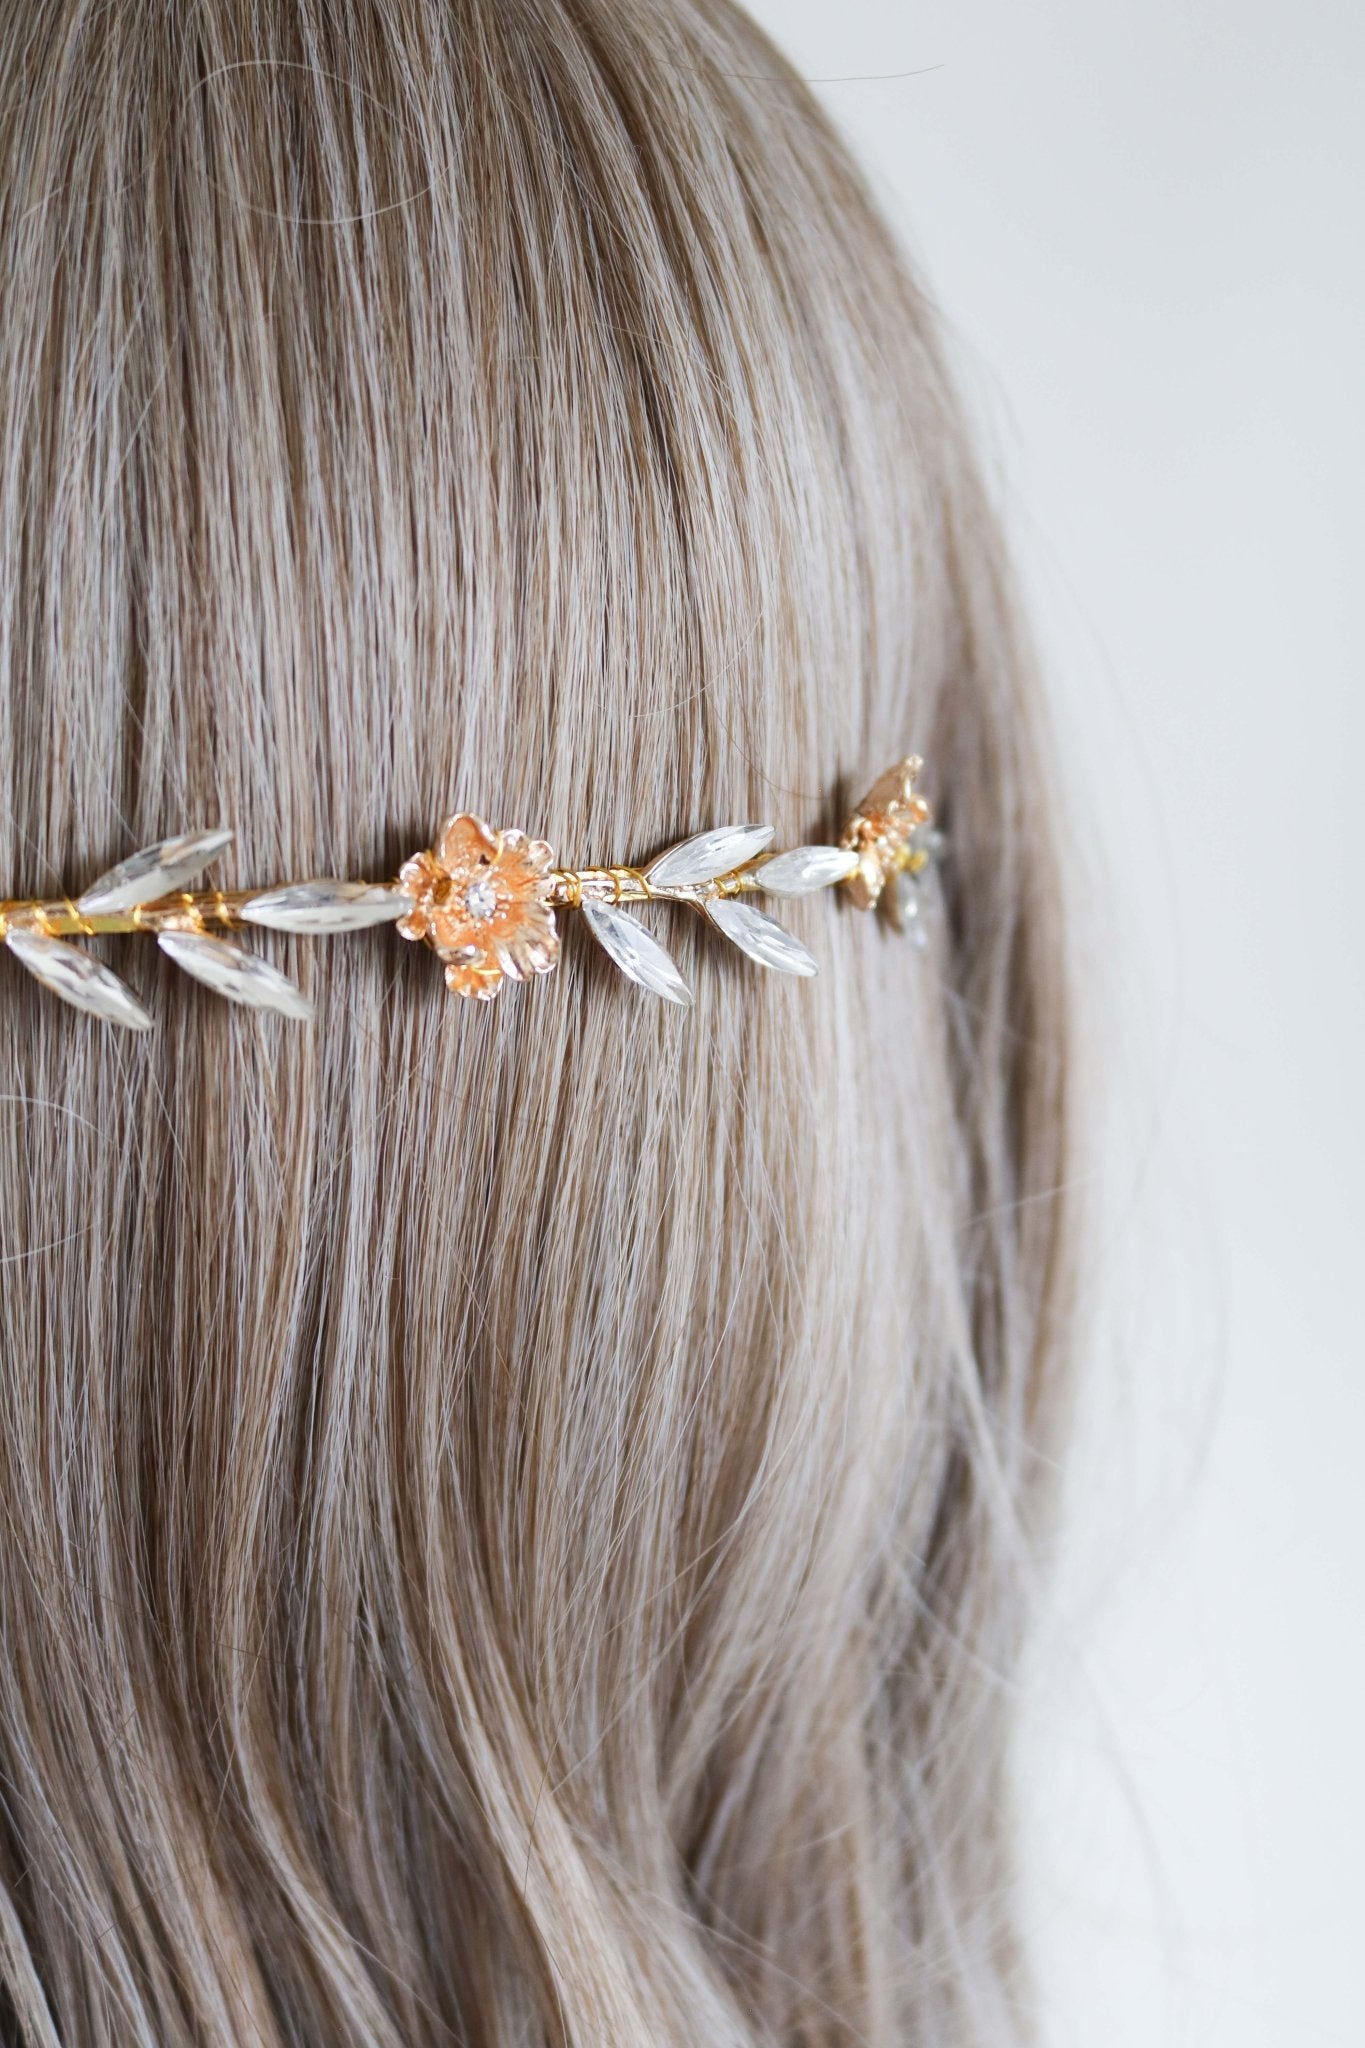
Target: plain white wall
(1146,228)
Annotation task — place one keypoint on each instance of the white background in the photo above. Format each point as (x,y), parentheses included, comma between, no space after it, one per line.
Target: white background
(1145,225)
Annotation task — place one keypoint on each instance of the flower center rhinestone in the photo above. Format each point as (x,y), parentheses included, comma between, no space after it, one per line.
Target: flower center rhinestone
(481,899)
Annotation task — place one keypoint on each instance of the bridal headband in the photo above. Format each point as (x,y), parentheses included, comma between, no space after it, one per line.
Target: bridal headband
(484,901)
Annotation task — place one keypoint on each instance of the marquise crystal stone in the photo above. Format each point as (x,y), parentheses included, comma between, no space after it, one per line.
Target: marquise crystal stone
(78,979)
(761,937)
(326,906)
(708,855)
(909,903)
(806,868)
(239,976)
(636,952)
(156,871)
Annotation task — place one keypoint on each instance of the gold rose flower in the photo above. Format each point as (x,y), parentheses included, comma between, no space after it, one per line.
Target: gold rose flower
(481,899)
(887,832)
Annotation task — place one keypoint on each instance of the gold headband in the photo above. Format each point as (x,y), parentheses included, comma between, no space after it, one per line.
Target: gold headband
(483,900)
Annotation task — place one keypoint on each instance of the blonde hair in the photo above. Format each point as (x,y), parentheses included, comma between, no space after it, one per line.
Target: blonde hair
(515,1515)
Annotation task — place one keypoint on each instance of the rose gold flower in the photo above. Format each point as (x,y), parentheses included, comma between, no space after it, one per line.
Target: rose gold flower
(883,833)
(481,900)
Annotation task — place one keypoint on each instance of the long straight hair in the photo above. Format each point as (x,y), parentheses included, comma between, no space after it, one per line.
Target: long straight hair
(515,1517)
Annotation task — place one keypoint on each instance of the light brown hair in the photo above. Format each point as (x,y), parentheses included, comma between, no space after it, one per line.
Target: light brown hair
(515,1516)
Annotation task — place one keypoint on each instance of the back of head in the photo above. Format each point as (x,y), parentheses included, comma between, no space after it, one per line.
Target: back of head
(514,1513)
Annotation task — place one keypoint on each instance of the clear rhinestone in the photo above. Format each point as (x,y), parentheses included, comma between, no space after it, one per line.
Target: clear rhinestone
(906,899)
(636,952)
(77,978)
(760,936)
(326,906)
(707,855)
(481,899)
(238,975)
(156,871)
(806,868)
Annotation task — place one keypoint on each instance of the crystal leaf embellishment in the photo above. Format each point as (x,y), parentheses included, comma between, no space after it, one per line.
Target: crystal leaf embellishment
(761,937)
(327,906)
(806,868)
(903,899)
(156,871)
(77,979)
(710,854)
(239,976)
(636,952)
